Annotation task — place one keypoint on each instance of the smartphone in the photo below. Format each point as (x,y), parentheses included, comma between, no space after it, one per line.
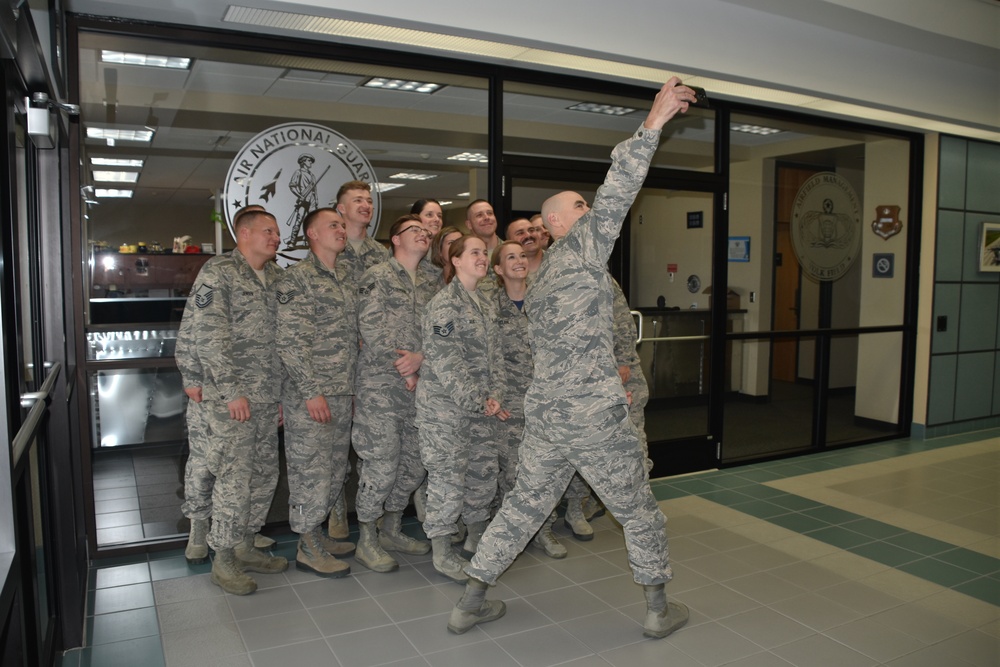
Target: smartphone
(701,97)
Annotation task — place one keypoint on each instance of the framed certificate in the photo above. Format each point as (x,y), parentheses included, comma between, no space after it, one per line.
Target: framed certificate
(739,248)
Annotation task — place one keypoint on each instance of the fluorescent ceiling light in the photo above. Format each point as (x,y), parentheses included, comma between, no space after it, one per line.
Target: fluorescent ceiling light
(470,157)
(606,109)
(462,194)
(116,176)
(445,202)
(403,176)
(403,85)
(115,134)
(108,192)
(753,129)
(115,162)
(385,187)
(145,60)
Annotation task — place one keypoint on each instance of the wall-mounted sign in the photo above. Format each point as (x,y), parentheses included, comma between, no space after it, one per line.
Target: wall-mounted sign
(883,264)
(887,222)
(290,170)
(826,226)
(695,219)
(739,248)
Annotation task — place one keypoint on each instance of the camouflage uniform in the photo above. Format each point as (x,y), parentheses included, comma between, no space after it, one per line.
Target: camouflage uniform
(384,434)
(317,342)
(463,366)
(626,355)
(355,262)
(198,479)
(513,329)
(232,336)
(576,413)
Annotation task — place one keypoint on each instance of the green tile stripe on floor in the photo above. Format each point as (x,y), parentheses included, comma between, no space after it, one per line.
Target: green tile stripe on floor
(942,563)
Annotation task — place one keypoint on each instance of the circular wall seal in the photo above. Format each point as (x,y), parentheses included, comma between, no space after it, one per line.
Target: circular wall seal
(826,226)
(290,170)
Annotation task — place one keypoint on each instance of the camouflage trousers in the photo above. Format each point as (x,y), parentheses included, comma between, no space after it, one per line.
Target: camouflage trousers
(385,439)
(606,453)
(198,479)
(460,454)
(637,408)
(508,445)
(316,457)
(243,457)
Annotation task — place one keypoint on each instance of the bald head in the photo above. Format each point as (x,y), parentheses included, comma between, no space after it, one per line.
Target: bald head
(560,212)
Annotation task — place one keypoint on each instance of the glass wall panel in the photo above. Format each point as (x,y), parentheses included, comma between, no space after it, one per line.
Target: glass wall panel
(864,400)
(825,212)
(780,422)
(545,121)
(166,137)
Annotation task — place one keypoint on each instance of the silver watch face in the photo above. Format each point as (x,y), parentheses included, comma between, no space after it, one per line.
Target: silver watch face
(694,284)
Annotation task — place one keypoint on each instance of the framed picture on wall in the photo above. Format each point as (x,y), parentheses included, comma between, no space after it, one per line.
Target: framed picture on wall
(989,247)
(739,248)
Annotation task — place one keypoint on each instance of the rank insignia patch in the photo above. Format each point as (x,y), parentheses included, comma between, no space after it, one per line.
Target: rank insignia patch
(445,330)
(203,297)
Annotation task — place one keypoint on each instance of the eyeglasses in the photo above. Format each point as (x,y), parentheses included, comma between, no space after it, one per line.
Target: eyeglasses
(420,231)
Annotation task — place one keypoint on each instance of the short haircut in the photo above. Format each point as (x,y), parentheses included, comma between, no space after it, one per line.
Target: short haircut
(402,220)
(250,217)
(352,185)
(419,205)
(506,232)
(243,211)
(471,204)
(314,215)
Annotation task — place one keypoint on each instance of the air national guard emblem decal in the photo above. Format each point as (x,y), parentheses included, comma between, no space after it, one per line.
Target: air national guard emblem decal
(826,226)
(285,297)
(203,297)
(291,170)
(445,330)
(887,222)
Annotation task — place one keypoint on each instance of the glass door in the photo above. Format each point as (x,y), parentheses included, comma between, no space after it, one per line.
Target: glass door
(664,263)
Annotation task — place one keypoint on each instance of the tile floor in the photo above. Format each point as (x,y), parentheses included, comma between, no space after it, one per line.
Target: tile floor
(887,554)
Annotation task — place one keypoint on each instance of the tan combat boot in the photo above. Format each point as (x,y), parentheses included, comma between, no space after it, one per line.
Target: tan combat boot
(392,538)
(253,559)
(196,551)
(474,608)
(446,561)
(576,522)
(227,575)
(312,557)
(662,617)
(370,553)
(338,528)
(546,539)
(476,530)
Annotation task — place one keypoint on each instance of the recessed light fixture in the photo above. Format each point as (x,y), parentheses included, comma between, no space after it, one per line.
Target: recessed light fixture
(403,85)
(403,176)
(115,134)
(116,176)
(753,129)
(115,162)
(470,157)
(145,60)
(110,192)
(462,194)
(445,202)
(605,109)
(385,187)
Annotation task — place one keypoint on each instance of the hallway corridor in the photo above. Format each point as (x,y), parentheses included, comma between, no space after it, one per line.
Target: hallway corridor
(885,554)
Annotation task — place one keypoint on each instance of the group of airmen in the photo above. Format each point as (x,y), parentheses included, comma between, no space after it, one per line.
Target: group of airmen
(485,380)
